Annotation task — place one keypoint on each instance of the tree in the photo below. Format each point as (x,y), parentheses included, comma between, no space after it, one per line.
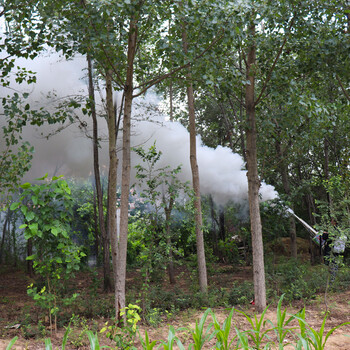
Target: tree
(107,284)
(160,188)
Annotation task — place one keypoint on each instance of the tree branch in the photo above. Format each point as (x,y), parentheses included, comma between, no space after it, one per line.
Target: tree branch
(342,87)
(269,75)
(158,79)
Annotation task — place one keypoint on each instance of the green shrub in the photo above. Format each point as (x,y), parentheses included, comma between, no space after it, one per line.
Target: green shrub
(293,279)
(241,293)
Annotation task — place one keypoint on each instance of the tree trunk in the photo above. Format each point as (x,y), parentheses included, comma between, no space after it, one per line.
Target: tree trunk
(326,169)
(171,272)
(96,226)
(4,231)
(222,224)
(125,190)
(202,269)
(214,232)
(107,283)
(111,235)
(254,181)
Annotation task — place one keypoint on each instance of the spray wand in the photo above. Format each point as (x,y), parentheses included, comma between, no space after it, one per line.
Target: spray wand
(316,237)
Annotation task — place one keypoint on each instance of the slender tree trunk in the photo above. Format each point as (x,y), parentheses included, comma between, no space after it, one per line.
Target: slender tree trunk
(125,190)
(171,96)
(171,271)
(111,235)
(222,224)
(96,226)
(326,169)
(107,283)
(214,232)
(253,180)
(4,231)
(202,269)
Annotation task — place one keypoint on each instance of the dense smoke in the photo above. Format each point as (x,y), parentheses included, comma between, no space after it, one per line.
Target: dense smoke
(69,152)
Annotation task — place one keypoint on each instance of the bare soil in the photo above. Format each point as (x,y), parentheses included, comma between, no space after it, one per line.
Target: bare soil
(15,303)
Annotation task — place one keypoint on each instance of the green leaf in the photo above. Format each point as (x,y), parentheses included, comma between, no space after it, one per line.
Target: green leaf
(15,205)
(11,343)
(58,260)
(30,216)
(33,228)
(42,178)
(26,185)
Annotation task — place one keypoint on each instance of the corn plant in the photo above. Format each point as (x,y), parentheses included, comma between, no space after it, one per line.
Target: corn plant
(223,333)
(281,329)
(9,347)
(94,343)
(146,343)
(172,338)
(317,339)
(48,344)
(199,335)
(243,341)
(257,333)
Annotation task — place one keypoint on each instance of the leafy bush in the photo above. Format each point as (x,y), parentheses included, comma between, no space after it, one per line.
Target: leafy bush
(293,279)
(241,293)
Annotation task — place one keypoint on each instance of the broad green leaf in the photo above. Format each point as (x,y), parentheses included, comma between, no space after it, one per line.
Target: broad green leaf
(26,185)
(15,205)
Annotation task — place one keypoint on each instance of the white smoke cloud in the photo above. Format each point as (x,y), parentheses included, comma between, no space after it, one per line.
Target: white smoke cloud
(69,152)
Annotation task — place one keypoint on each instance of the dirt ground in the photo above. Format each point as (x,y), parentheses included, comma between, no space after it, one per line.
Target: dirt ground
(14,301)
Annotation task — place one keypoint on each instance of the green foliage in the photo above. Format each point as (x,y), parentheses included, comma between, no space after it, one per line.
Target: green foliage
(229,250)
(146,343)
(241,293)
(77,331)
(200,335)
(152,234)
(124,335)
(47,210)
(295,280)
(258,333)
(223,333)
(9,346)
(316,338)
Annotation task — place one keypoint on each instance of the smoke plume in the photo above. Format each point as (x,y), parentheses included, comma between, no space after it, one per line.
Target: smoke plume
(69,152)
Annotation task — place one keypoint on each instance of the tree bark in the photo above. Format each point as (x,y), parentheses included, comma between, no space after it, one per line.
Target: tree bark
(171,271)
(111,235)
(107,283)
(214,232)
(4,231)
(202,269)
(125,190)
(253,179)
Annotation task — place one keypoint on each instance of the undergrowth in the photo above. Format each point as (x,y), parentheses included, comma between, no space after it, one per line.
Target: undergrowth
(262,333)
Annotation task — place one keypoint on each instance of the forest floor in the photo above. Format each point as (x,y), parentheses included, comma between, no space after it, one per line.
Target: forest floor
(16,306)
